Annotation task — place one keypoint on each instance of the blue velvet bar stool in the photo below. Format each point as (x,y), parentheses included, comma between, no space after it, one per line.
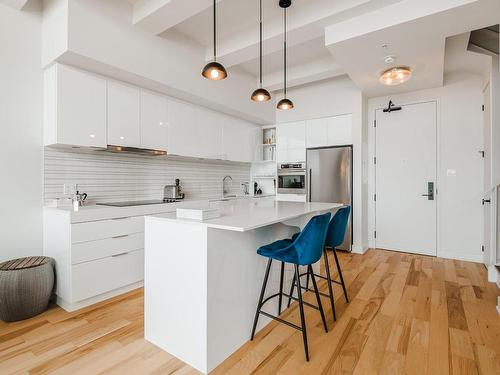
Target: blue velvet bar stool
(335,236)
(304,250)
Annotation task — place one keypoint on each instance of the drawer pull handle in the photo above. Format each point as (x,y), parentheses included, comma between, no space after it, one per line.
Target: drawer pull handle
(118,255)
(120,218)
(122,236)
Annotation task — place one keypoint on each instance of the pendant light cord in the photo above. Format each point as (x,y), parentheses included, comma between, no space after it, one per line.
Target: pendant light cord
(260,37)
(215,32)
(284,52)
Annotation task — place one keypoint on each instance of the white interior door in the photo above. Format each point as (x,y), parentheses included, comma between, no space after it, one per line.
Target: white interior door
(406,164)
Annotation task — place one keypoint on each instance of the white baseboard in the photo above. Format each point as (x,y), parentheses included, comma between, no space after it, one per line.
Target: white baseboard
(477,258)
(359,249)
(70,307)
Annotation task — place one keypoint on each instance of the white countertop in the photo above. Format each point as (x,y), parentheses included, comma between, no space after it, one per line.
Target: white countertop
(248,215)
(99,212)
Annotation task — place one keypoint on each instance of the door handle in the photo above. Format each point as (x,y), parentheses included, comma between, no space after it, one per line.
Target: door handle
(430,191)
(486,201)
(310,183)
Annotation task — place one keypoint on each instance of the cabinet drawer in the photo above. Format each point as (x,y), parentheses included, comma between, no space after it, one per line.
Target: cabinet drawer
(91,250)
(90,279)
(98,230)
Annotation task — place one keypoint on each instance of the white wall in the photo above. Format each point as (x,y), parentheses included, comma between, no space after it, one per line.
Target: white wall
(21,123)
(332,98)
(460,138)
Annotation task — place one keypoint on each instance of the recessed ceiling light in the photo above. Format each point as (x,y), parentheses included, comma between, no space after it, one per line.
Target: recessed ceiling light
(395,76)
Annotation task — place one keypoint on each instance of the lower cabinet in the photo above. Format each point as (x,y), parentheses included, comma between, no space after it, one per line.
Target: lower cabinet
(95,260)
(96,277)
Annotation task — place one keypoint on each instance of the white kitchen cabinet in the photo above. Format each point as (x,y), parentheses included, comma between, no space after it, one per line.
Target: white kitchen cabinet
(209,134)
(94,260)
(329,131)
(195,131)
(340,130)
(74,108)
(240,140)
(154,119)
(182,128)
(317,132)
(124,123)
(291,142)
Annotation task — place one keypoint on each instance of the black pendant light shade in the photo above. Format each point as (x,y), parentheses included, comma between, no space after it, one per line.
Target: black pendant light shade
(261,94)
(214,70)
(284,103)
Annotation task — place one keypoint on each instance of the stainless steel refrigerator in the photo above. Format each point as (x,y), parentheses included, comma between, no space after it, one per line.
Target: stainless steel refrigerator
(329,179)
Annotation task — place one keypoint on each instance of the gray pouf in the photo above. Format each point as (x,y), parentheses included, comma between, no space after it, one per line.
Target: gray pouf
(26,286)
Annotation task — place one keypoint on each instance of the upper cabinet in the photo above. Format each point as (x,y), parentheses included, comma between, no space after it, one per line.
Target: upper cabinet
(83,109)
(293,138)
(74,108)
(329,131)
(124,115)
(291,142)
(154,121)
(182,125)
(240,141)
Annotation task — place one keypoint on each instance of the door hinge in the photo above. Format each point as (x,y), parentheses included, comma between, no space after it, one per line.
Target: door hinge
(374,123)
(375,234)
(482,248)
(374,160)
(375,197)
(482,107)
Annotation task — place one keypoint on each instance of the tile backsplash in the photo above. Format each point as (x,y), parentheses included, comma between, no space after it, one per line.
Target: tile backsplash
(108,177)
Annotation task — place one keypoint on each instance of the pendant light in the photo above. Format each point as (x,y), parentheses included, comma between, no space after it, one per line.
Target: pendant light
(261,94)
(214,70)
(284,103)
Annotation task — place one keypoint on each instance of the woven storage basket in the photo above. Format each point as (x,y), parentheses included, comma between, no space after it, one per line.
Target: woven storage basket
(26,286)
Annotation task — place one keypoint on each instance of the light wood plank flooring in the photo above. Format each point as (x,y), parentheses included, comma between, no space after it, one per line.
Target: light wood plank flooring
(408,314)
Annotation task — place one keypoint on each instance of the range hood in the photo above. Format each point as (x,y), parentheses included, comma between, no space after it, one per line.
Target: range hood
(134,150)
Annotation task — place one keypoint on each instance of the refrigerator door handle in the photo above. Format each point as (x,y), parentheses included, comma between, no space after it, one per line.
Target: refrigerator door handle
(310,183)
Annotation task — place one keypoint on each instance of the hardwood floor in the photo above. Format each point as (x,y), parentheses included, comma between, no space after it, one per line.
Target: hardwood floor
(408,314)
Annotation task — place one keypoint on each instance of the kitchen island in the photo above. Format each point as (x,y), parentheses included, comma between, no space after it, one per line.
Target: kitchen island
(203,278)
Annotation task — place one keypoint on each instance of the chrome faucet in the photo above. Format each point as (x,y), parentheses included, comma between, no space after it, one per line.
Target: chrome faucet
(225,189)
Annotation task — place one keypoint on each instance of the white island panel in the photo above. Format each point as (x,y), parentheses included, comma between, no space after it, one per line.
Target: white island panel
(203,279)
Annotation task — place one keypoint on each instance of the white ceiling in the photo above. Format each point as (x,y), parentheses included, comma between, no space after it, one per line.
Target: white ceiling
(329,38)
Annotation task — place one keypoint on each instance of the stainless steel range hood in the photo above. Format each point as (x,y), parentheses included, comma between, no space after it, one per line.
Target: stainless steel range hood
(134,150)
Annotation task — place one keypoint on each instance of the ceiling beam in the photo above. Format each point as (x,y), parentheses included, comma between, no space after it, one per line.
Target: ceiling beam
(157,16)
(234,53)
(16,4)
(299,75)
(307,21)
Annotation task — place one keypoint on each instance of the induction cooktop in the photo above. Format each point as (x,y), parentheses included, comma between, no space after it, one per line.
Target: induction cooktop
(137,203)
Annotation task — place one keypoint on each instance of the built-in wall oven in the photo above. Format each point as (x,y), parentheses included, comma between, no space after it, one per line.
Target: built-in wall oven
(292,178)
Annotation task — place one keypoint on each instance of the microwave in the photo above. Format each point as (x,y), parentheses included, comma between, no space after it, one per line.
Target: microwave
(292,178)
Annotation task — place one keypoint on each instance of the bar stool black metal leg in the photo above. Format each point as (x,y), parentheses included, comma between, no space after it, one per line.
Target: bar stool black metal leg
(263,290)
(280,298)
(318,299)
(307,281)
(329,282)
(340,275)
(301,308)
(292,288)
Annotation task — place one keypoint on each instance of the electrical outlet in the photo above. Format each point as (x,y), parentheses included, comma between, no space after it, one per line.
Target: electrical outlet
(69,189)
